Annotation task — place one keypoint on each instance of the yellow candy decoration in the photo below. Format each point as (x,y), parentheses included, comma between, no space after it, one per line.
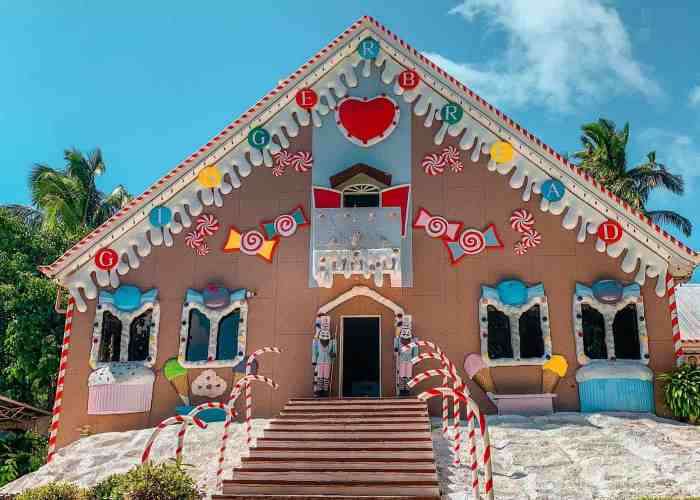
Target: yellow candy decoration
(502,152)
(209,177)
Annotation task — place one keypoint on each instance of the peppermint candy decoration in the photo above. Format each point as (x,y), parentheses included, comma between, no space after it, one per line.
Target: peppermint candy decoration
(433,164)
(251,242)
(520,249)
(457,166)
(302,161)
(472,242)
(207,225)
(450,154)
(202,249)
(285,225)
(278,170)
(531,239)
(194,240)
(282,159)
(522,221)
(436,227)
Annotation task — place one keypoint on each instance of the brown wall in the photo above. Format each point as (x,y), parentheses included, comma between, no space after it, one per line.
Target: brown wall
(443,301)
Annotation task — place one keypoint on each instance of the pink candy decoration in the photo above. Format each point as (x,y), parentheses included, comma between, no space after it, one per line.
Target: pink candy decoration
(522,221)
(301,161)
(519,249)
(531,239)
(450,155)
(457,167)
(207,225)
(433,164)
(194,240)
(202,249)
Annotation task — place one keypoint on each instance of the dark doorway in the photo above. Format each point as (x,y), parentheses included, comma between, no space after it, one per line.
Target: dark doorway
(361,356)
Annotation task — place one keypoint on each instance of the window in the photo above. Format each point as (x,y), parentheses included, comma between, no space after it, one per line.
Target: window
(609,322)
(213,331)
(125,327)
(361,195)
(514,324)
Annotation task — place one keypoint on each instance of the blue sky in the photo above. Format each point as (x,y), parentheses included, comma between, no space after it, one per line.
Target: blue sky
(149,82)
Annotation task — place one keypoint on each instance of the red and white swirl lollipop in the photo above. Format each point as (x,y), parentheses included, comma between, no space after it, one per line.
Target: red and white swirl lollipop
(285,225)
(433,164)
(522,221)
(519,248)
(202,249)
(531,239)
(302,161)
(251,242)
(450,155)
(436,227)
(207,224)
(193,239)
(472,241)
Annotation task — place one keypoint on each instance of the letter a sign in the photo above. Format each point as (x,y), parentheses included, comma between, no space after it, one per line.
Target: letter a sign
(610,231)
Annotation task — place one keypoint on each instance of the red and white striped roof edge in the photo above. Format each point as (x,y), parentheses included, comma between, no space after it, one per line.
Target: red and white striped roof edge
(366,21)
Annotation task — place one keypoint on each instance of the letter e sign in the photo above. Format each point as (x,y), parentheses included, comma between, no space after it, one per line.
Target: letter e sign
(610,231)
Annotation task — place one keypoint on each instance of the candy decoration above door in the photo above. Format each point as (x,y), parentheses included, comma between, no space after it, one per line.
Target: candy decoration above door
(367,122)
(250,242)
(285,225)
(473,242)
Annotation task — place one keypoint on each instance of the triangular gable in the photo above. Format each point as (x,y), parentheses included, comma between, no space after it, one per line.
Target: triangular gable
(586,204)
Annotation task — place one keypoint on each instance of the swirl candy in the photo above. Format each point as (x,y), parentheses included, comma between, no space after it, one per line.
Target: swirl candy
(207,225)
(450,155)
(520,248)
(250,243)
(278,170)
(282,159)
(302,161)
(531,239)
(522,221)
(285,225)
(433,164)
(202,249)
(472,241)
(457,167)
(194,240)
(436,226)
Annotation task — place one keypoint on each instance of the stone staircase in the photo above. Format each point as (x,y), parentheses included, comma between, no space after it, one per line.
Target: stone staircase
(341,449)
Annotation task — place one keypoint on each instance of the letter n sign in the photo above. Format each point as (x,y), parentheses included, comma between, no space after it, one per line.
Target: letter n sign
(610,231)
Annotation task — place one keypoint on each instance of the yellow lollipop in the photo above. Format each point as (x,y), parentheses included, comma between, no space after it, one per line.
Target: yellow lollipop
(209,177)
(502,152)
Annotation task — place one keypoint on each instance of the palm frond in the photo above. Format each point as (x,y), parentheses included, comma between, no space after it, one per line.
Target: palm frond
(30,216)
(664,217)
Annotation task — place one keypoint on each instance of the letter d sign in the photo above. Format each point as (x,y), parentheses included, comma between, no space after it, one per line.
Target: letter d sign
(610,231)
(106,259)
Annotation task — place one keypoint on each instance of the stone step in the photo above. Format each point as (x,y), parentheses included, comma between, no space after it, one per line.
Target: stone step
(331,444)
(337,466)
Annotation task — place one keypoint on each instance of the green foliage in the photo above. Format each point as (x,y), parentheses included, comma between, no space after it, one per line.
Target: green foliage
(167,481)
(604,157)
(20,453)
(55,491)
(682,391)
(31,331)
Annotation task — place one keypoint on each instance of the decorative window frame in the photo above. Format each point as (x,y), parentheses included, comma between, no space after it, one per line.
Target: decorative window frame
(215,315)
(631,294)
(105,303)
(535,296)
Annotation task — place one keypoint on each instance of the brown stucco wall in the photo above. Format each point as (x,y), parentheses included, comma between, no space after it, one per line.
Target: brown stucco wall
(443,301)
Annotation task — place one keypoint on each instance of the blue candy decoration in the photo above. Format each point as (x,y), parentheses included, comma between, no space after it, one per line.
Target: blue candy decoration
(608,291)
(215,296)
(368,48)
(127,298)
(160,216)
(512,292)
(553,190)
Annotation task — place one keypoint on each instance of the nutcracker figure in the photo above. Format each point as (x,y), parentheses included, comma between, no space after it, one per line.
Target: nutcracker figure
(404,367)
(323,354)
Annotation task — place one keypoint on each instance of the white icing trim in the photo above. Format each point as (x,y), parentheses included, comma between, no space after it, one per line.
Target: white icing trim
(215,316)
(331,78)
(514,313)
(624,368)
(126,317)
(360,291)
(609,311)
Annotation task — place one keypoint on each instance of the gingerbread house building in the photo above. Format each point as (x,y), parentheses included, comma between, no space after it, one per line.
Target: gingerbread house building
(367,194)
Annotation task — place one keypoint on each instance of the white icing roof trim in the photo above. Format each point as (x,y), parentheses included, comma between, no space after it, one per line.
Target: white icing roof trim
(597,370)
(331,79)
(122,373)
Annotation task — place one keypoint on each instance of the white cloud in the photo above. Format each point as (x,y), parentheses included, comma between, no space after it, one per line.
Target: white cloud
(679,152)
(694,96)
(559,54)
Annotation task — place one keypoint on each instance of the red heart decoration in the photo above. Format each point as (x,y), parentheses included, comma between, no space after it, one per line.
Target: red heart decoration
(367,121)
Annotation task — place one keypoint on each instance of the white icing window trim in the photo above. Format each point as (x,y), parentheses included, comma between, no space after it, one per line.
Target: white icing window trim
(514,313)
(215,316)
(609,311)
(126,317)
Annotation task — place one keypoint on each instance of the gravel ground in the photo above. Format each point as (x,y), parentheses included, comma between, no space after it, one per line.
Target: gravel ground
(565,456)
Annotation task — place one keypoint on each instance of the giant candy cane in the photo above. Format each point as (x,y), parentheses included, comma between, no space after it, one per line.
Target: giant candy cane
(472,411)
(184,421)
(249,392)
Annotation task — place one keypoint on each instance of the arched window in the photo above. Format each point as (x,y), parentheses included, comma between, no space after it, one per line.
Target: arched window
(609,322)
(514,324)
(213,331)
(125,327)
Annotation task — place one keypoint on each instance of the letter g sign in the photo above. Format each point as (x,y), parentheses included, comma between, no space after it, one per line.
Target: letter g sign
(106,259)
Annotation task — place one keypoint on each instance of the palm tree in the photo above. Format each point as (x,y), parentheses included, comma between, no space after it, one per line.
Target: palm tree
(70,196)
(604,158)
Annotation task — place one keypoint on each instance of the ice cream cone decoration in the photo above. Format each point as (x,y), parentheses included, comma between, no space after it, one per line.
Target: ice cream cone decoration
(479,372)
(552,371)
(177,376)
